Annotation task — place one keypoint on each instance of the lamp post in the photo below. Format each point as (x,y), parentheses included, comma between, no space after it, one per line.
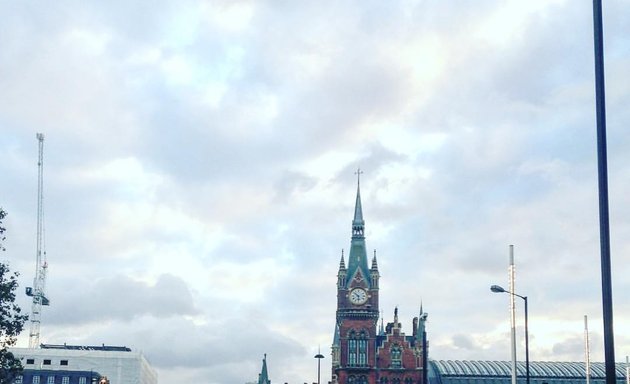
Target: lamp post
(319,358)
(499,289)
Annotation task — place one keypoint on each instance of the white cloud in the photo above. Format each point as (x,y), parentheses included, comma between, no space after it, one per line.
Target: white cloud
(204,153)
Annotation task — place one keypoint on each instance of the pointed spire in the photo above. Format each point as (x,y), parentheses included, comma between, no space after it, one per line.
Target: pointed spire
(374,265)
(381,331)
(358,267)
(342,264)
(357,223)
(263,377)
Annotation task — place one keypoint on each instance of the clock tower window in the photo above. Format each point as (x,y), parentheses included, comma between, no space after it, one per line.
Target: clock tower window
(357,349)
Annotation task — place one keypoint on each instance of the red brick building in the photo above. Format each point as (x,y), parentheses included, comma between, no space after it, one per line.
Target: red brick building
(360,353)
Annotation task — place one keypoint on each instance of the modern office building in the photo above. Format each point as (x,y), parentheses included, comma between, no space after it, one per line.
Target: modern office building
(73,364)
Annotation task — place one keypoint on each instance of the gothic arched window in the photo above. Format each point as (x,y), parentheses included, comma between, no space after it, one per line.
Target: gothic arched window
(357,348)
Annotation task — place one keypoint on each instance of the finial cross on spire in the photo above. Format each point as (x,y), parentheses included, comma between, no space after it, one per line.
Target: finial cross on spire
(358,173)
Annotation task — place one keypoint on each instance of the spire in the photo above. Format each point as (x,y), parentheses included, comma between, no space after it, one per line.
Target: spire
(374,265)
(342,264)
(358,224)
(381,331)
(263,377)
(357,258)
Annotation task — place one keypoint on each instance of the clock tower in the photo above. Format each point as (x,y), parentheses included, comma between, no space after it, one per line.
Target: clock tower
(354,347)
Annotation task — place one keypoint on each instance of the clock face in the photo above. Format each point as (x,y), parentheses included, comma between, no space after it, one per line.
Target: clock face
(358,296)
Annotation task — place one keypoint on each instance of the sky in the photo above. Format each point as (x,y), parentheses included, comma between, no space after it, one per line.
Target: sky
(199,182)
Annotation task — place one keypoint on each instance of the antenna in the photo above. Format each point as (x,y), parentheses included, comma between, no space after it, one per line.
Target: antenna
(41,265)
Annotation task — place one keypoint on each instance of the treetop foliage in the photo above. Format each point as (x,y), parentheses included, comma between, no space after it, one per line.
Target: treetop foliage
(11,318)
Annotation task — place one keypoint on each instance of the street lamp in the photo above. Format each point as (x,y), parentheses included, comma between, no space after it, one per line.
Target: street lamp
(319,358)
(499,289)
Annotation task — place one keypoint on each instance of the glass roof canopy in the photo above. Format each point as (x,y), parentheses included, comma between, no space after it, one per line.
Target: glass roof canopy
(537,369)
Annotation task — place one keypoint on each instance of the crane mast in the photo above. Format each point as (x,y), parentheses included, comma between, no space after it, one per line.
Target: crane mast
(39,283)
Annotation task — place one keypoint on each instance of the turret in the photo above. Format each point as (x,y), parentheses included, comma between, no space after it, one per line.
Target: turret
(342,274)
(374,275)
(335,347)
(422,319)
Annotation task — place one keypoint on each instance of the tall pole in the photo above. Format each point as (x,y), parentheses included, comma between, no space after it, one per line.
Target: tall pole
(512,313)
(425,359)
(604,230)
(319,358)
(499,289)
(587,352)
(526,342)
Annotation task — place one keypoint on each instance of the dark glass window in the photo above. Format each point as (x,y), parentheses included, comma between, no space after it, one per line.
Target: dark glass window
(46,362)
(30,361)
(63,362)
(357,349)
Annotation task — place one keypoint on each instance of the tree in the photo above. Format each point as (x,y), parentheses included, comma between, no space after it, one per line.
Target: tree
(11,318)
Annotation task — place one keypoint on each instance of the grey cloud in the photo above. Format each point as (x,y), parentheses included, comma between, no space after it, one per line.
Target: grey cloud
(463,341)
(121,298)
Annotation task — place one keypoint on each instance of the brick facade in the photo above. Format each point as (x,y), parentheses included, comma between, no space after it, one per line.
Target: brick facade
(361,354)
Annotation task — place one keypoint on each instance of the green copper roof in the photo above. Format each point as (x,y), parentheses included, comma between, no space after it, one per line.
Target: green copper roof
(357,258)
(263,377)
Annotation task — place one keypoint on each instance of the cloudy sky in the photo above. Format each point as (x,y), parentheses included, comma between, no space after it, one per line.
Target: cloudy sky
(200,159)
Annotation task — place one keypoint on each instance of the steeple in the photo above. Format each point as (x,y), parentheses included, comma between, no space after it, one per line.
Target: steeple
(263,377)
(358,225)
(357,259)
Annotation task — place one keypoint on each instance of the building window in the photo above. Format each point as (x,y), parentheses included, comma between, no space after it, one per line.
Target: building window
(35,379)
(51,380)
(383,380)
(19,379)
(357,349)
(352,352)
(65,380)
(82,380)
(63,362)
(46,362)
(396,355)
(30,361)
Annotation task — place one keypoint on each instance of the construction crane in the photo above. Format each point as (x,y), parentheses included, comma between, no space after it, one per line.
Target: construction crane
(38,290)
